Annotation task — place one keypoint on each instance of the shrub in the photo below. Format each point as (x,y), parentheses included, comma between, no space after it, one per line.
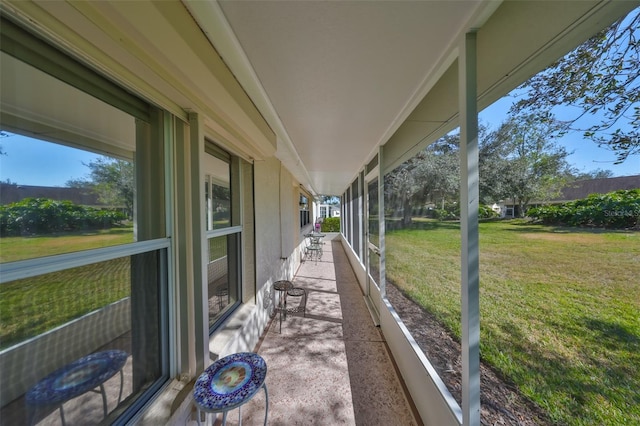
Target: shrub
(451,211)
(34,216)
(331,224)
(486,212)
(617,210)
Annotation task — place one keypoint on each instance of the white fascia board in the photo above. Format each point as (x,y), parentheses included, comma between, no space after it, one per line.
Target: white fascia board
(214,24)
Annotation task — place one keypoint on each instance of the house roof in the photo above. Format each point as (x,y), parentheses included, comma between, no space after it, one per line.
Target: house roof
(584,188)
(10,193)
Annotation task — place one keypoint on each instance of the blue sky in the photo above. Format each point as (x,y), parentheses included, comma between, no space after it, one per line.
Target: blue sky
(585,155)
(31,162)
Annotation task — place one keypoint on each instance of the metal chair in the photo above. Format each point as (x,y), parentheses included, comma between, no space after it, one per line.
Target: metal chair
(313,247)
(302,305)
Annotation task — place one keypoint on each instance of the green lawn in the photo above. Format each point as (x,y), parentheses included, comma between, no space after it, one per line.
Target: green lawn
(31,306)
(20,248)
(560,309)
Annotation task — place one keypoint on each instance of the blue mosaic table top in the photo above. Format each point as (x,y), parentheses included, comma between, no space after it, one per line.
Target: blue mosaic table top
(77,378)
(230,382)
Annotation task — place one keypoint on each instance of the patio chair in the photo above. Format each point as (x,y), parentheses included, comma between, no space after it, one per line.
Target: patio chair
(313,247)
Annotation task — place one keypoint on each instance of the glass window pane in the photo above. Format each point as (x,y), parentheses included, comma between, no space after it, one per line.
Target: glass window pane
(304,211)
(222,275)
(217,192)
(78,174)
(86,198)
(374,228)
(52,321)
(223,267)
(67,167)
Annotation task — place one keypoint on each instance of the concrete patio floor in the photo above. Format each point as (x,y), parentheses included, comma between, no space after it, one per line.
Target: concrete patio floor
(332,366)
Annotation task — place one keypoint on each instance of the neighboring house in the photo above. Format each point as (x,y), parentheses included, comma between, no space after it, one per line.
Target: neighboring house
(11,193)
(574,191)
(583,188)
(324,211)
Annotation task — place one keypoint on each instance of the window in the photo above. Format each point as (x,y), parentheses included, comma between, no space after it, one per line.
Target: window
(355,212)
(304,211)
(84,247)
(224,232)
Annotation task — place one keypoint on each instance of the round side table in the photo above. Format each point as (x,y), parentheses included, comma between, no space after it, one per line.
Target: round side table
(75,379)
(283,286)
(229,383)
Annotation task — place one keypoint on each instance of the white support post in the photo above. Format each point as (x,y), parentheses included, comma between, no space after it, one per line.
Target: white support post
(193,176)
(469,194)
(382,228)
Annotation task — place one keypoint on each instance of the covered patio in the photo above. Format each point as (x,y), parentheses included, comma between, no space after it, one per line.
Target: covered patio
(240,116)
(327,366)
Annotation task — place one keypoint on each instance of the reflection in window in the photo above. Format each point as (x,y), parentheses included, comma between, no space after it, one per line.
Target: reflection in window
(304,211)
(217,189)
(218,204)
(223,233)
(75,312)
(372,202)
(84,202)
(70,183)
(222,275)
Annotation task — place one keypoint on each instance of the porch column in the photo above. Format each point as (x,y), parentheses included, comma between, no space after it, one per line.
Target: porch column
(198,249)
(469,194)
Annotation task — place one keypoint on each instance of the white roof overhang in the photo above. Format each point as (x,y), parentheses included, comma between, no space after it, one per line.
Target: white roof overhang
(335,80)
(319,84)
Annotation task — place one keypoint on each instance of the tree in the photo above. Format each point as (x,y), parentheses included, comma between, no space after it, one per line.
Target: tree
(431,175)
(536,167)
(3,134)
(112,179)
(400,187)
(601,77)
(329,199)
(594,174)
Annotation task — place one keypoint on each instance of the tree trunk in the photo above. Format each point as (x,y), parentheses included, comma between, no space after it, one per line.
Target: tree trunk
(406,212)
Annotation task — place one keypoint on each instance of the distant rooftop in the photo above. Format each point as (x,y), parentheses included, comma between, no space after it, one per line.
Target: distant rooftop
(11,193)
(583,188)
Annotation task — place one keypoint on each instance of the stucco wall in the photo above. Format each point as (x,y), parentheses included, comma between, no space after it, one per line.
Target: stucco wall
(276,239)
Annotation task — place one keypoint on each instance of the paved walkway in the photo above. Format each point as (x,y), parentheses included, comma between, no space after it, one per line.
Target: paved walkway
(331,367)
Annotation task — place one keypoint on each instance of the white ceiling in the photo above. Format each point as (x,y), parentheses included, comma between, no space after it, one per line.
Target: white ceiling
(333,80)
(342,74)
(337,79)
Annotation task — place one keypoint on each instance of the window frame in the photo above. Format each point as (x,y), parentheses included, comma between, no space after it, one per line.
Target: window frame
(236,227)
(48,58)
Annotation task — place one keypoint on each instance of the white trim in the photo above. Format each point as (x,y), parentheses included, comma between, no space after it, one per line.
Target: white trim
(469,194)
(224,231)
(44,265)
(214,24)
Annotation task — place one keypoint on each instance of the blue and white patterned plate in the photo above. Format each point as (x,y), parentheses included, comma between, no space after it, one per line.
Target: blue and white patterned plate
(230,382)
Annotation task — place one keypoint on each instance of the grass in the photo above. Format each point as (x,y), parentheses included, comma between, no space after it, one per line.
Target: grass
(31,306)
(20,248)
(560,309)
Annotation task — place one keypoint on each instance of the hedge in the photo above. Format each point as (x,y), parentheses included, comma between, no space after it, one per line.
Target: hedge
(35,216)
(331,224)
(615,210)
